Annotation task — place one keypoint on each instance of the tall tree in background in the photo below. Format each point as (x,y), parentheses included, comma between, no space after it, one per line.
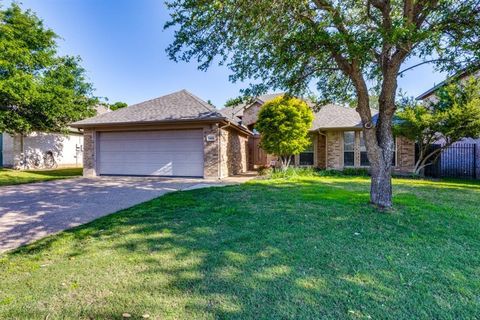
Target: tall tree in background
(233,102)
(117,105)
(348,48)
(454,114)
(39,90)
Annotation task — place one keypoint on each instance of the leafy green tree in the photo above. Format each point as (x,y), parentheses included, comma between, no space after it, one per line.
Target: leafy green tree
(117,105)
(233,102)
(39,90)
(284,124)
(451,116)
(348,48)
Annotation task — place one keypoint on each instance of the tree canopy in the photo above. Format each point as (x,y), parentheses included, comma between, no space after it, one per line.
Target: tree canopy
(452,115)
(232,102)
(117,105)
(284,124)
(39,90)
(349,49)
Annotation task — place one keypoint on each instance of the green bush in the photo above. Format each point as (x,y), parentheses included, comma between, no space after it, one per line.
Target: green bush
(315,172)
(294,172)
(363,172)
(264,171)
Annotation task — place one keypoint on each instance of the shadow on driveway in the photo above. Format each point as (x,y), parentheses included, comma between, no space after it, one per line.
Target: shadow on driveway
(32,211)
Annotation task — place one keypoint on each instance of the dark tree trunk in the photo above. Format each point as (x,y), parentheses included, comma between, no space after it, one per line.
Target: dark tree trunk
(379,143)
(379,136)
(381,186)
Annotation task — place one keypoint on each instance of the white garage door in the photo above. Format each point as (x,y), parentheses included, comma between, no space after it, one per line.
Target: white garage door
(152,153)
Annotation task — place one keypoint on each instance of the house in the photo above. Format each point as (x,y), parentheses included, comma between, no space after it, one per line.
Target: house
(337,139)
(174,135)
(181,135)
(462,158)
(430,96)
(28,151)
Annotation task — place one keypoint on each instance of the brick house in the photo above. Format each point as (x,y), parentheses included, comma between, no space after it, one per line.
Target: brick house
(181,135)
(337,139)
(174,135)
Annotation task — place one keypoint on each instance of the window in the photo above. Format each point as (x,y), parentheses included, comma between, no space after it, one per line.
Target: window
(306,157)
(363,152)
(349,148)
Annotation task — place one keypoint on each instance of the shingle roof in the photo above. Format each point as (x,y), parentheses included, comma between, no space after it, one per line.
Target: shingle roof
(101,109)
(333,116)
(329,116)
(461,74)
(237,111)
(269,96)
(177,106)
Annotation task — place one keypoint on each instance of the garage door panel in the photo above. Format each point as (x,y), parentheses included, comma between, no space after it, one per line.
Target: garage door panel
(152,135)
(161,153)
(167,169)
(146,145)
(151,157)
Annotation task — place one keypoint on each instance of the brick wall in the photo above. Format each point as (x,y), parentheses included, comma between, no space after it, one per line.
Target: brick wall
(405,155)
(334,150)
(321,151)
(211,153)
(250,115)
(233,153)
(405,152)
(89,168)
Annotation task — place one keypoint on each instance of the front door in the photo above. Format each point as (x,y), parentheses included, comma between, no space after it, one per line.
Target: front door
(257,157)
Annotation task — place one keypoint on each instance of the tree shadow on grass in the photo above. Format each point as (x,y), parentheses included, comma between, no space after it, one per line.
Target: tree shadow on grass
(287,250)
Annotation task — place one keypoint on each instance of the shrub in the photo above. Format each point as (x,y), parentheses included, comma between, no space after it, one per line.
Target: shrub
(284,123)
(264,171)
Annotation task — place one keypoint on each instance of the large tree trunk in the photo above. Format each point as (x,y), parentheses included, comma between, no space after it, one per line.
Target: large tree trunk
(379,136)
(381,166)
(381,186)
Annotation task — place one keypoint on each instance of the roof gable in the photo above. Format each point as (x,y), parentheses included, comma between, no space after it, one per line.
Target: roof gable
(237,111)
(177,106)
(475,71)
(333,116)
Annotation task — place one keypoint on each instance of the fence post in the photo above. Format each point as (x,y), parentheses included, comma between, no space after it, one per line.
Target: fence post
(475,161)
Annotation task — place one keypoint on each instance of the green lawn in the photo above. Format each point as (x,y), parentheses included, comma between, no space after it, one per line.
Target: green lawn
(11,177)
(303,248)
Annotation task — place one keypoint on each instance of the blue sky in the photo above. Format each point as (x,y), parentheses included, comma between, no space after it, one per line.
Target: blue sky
(122,44)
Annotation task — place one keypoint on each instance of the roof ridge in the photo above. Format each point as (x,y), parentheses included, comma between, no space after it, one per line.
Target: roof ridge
(203,103)
(153,99)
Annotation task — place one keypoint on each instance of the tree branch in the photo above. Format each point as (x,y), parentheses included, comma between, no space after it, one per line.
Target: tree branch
(419,64)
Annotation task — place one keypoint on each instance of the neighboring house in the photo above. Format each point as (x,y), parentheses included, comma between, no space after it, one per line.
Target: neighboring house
(337,139)
(28,151)
(174,135)
(462,158)
(430,96)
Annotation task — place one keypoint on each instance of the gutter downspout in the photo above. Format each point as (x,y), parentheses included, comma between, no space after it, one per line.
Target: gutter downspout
(219,148)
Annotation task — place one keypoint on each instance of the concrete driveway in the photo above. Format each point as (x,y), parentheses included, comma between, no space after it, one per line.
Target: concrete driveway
(32,211)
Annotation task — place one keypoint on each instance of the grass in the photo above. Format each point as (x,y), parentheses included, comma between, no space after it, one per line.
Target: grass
(12,177)
(296,248)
